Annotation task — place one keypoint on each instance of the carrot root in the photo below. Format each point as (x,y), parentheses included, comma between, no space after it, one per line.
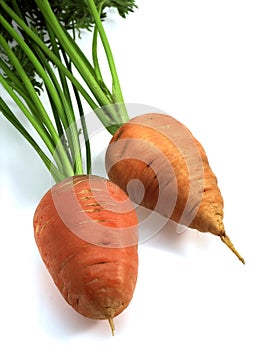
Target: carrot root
(112,326)
(225,239)
(174,170)
(90,254)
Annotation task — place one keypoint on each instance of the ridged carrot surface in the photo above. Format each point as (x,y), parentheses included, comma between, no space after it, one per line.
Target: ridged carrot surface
(174,170)
(86,232)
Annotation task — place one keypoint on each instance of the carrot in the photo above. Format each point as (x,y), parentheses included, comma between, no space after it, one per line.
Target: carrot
(85,228)
(173,167)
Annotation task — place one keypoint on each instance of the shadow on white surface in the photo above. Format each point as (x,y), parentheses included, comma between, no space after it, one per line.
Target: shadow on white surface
(166,235)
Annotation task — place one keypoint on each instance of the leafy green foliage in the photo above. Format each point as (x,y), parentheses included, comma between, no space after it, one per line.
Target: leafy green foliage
(38,51)
(73,15)
(26,64)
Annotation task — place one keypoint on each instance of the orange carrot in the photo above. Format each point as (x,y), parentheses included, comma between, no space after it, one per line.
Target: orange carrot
(86,231)
(173,167)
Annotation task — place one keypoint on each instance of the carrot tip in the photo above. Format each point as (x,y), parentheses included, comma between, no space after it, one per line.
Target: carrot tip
(112,326)
(225,239)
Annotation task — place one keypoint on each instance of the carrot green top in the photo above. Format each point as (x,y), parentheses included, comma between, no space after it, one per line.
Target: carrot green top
(38,51)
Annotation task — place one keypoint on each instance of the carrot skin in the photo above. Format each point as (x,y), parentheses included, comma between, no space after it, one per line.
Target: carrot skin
(90,253)
(173,167)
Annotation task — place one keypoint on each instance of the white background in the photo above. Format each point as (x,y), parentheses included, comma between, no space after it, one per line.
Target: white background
(196,61)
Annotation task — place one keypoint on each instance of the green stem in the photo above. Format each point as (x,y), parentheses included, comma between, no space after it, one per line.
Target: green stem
(40,70)
(16,123)
(96,64)
(110,58)
(65,114)
(95,55)
(116,116)
(117,93)
(108,119)
(82,119)
(113,114)
(49,54)
(12,78)
(38,127)
(43,116)
(17,86)
(68,46)
(95,49)
(65,90)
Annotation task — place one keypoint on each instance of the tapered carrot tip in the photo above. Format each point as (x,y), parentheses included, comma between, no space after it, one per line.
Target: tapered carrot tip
(225,239)
(112,326)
